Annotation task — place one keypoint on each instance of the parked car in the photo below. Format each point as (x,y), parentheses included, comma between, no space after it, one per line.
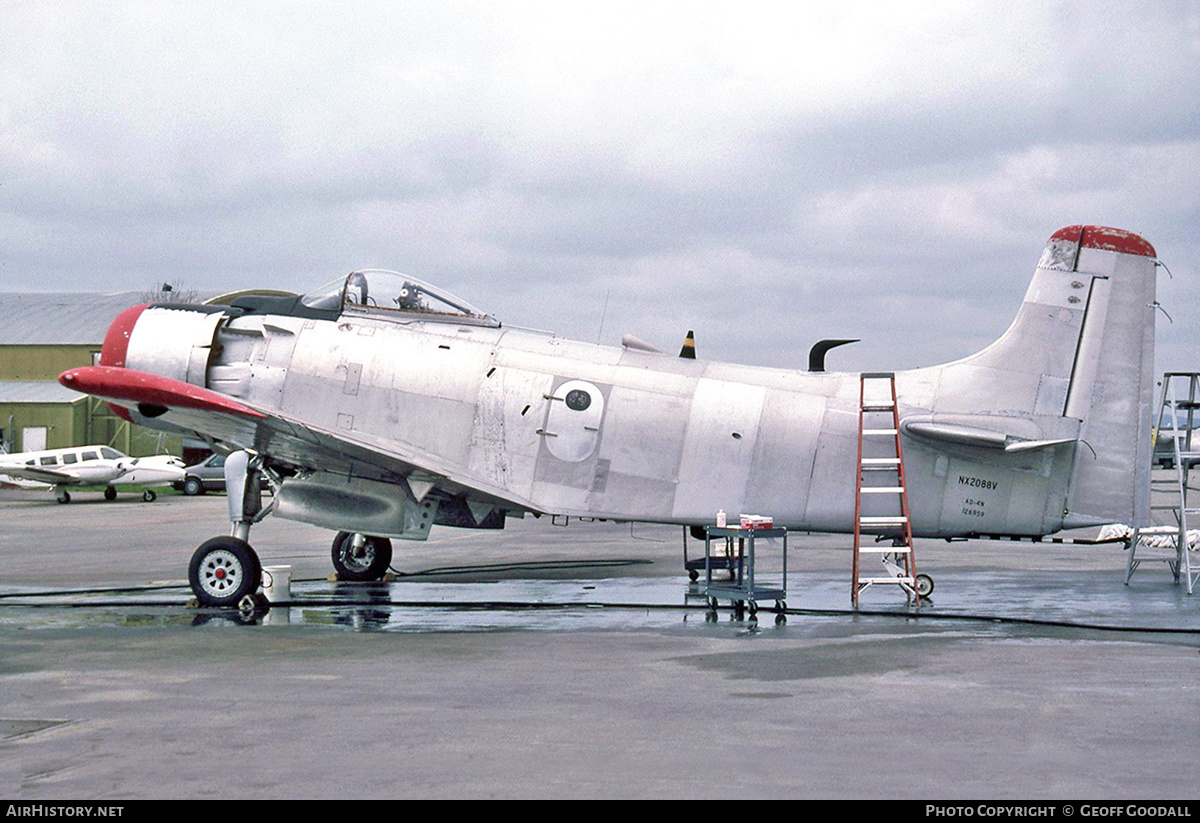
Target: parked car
(207,475)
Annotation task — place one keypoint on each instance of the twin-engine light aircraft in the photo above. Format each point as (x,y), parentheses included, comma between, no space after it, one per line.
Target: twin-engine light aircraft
(380,406)
(91,466)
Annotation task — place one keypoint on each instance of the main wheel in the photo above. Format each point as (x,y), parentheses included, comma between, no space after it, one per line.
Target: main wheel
(369,564)
(63,497)
(223,571)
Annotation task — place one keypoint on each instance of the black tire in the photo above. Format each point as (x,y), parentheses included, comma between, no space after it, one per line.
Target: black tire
(63,496)
(372,565)
(110,493)
(149,495)
(223,571)
(924,586)
(192,486)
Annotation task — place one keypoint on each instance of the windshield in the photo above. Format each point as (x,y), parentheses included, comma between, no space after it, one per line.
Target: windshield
(389,293)
(328,297)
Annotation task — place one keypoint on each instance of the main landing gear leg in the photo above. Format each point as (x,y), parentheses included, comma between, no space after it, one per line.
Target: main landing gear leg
(225,571)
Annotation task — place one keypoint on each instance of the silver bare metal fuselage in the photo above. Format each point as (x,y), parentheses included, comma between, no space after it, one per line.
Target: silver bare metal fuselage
(663,439)
(387,421)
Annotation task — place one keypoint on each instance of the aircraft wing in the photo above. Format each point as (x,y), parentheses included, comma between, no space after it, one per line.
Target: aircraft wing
(40,475)
(285,438)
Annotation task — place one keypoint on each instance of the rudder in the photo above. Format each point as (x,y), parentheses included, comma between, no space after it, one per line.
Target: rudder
(1112,379)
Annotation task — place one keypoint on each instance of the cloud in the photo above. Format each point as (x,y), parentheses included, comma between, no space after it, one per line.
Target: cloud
(829,165)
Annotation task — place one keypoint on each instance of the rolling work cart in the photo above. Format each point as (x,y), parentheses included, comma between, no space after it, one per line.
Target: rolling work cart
(743,589)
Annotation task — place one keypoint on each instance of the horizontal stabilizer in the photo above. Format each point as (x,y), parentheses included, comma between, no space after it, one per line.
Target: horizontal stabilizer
(978,437)
(1034,445)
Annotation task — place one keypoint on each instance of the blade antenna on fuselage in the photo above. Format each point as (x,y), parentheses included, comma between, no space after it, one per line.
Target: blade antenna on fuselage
(688,352)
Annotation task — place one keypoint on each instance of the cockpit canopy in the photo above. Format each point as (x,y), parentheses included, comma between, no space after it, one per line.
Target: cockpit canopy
(394,295)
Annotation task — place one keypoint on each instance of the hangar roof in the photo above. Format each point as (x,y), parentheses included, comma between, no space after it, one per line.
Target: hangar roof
(60,318)
(36,391)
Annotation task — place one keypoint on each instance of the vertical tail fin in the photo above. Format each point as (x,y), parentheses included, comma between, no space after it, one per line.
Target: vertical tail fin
(1071,382)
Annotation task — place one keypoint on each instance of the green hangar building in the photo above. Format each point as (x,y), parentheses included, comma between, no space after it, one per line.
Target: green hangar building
(43,335)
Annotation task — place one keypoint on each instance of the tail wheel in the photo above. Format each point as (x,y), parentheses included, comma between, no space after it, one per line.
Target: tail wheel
(369,563)
(924,586)
(223,571)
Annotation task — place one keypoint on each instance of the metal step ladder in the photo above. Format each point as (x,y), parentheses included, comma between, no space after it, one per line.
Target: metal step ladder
(881,503)
(1166,539)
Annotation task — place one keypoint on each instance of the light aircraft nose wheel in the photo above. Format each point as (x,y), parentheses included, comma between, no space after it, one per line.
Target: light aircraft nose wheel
(149,495)
(110,493)
(223,571)
(63,497)
(924,586)
(369,563)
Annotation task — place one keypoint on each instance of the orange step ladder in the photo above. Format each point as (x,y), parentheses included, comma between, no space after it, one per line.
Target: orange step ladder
(881,507)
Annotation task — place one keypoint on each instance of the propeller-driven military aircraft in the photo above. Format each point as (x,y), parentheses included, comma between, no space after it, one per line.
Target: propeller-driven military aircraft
(91,466)
(379,406)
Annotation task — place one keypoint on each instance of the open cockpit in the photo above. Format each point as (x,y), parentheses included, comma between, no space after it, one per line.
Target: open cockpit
(393,295)
(378,293)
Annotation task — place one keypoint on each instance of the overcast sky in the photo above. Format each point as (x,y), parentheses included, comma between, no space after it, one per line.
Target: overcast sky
(767,174)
